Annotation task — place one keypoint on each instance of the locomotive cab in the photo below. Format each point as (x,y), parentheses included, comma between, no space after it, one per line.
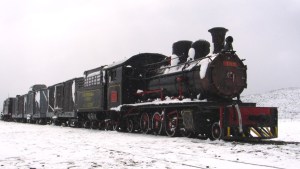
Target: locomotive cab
(127,77)
(8,109)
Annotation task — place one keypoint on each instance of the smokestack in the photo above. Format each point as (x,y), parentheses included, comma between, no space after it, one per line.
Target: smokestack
(218,37)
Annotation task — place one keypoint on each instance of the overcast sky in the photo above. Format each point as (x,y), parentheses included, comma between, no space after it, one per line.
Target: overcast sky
(50,41)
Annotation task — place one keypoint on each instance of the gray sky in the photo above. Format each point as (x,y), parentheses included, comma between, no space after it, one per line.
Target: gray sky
(50,41)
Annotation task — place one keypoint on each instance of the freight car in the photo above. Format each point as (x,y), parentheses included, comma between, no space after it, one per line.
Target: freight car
(18,114)
(61,102)
(194,92)
(8,108)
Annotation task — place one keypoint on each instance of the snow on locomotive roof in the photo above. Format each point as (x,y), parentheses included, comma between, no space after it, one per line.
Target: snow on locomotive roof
(139,59)
(114,64)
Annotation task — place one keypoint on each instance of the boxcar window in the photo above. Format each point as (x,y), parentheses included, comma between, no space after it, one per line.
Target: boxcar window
(93,79)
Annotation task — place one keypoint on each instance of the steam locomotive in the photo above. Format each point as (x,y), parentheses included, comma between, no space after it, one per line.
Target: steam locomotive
(194,93)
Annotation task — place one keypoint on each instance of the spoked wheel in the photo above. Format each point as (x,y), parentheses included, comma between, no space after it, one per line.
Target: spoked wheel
(188,133)
(86,124)
(129,125)
(73,124)
(156,123)
(172,123)
(94,125)
(101,125)
(216,131)
(202,136)
(145,123)
(56,122)
(64,124)
(115,125)
(108,125)
(41,121)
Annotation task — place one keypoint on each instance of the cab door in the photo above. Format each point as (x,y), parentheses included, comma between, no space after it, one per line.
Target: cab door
(114,92)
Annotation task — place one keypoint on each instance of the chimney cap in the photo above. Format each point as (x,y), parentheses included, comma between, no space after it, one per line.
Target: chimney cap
(217,29)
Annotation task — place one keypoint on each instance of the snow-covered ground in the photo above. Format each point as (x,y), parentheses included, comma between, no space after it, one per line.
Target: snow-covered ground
(33,146)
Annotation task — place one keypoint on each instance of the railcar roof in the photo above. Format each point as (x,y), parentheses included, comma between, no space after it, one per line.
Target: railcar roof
(94,70)
(62,83)
(37,87)
(139,60)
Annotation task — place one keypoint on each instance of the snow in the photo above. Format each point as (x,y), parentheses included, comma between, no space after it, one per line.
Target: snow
(204,64)
(35,146)
(55,97)
(25,102)
(73,91)
(174,60)
(116,63)
(97,73)
(191,54)
(38,98)
(103,78)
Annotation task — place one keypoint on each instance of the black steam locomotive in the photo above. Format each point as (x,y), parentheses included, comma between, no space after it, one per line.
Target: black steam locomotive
(191,93)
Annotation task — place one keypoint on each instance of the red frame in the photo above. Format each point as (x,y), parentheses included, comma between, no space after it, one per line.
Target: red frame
(113,96)
(256,118)
(251,116)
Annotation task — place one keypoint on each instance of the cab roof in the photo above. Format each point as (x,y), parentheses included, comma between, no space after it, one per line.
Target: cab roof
(139,60)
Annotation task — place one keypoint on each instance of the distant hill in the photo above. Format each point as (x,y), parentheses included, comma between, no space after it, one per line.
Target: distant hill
(287,100)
